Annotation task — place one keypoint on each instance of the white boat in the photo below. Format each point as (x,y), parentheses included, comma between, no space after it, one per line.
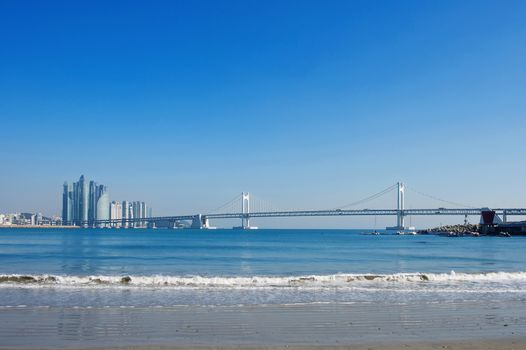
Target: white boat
(408,232)
(405,231)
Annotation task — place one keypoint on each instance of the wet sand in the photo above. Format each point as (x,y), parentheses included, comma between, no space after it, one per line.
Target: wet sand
(464,325)
(499,344)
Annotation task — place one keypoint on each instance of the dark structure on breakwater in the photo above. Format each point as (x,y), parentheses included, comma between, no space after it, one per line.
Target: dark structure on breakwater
(517,228)
(491,224)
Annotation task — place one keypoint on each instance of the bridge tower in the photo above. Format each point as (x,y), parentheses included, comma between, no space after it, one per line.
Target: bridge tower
(245,211)
(400,227)
(400,220)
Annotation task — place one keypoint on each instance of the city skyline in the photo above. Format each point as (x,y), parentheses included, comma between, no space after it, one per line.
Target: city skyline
(184,106)
(84,204)
(101,208)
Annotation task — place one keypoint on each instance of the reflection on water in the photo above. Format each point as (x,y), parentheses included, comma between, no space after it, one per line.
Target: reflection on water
(80,253)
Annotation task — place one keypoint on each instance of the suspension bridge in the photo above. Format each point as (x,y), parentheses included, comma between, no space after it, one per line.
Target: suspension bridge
(244,207)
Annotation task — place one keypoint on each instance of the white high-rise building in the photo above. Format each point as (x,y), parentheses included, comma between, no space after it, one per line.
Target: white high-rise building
(116,214)
(125,213)
(103,206)
(131,215)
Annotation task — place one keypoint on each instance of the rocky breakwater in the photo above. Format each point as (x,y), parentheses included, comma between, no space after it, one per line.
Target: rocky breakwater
(453,230)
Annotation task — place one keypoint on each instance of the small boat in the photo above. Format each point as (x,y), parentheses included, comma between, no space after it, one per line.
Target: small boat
(408,232)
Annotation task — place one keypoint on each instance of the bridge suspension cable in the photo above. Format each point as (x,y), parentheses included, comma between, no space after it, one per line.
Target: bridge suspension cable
(260,205)
(368,199)
(439,199)
(231,206)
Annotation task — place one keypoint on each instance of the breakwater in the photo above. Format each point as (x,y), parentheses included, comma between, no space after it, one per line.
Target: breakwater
(453,229)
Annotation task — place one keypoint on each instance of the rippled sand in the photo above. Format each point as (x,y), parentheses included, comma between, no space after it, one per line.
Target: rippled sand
(466,345)
(465,325)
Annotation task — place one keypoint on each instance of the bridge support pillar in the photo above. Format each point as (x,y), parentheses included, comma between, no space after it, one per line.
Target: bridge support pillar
(400,212)
(400,220)
(200,222)
(245,211)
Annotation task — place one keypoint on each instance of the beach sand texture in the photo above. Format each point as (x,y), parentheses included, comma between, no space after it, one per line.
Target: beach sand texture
(355,326)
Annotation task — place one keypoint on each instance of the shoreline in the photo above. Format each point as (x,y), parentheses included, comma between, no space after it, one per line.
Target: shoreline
(487,344)
(37,226)
(491,344)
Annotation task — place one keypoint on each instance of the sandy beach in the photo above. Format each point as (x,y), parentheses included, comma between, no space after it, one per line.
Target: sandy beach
(346,326)
(494,344)
(467,345)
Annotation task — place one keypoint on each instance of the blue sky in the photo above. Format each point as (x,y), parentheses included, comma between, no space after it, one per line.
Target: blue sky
(307,104)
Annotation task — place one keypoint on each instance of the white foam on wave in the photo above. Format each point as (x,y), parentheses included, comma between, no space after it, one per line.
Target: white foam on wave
(312,281)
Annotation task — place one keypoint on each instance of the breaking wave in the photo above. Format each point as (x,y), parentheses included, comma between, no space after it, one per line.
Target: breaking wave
(313,281)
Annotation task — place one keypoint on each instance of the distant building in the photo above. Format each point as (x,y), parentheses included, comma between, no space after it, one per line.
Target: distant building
(116,213)
(492,224)
(82,201)
(84,204)
(67,205)
(75,203)
(92,202)
(137,210)
(103,206)
(125,213)
(143,210)
(28,219)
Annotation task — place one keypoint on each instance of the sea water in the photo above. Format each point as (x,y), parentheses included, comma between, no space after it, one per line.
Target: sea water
(127,268)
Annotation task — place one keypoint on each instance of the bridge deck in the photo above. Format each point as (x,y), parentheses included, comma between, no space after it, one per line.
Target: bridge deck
(334,212)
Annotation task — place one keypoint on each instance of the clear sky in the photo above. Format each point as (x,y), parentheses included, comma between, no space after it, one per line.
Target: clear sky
(306,104)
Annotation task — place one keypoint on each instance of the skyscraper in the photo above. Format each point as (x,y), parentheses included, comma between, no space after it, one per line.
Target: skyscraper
(83,201)
(116,213)
(67,205)
(125,213)
(80,203)
(99,203)
(75,203)
(143,210)
(103,205)
(93,197)
(83,204)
